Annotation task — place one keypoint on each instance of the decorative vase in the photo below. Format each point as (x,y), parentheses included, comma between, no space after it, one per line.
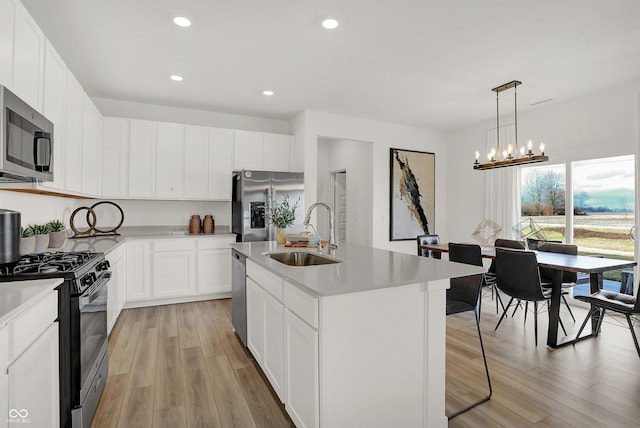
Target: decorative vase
(57,239)
(208,224)
(281,235)
(27,245)
(194,224)
(42,243)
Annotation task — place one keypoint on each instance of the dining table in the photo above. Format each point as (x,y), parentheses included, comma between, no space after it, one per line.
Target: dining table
(594,266)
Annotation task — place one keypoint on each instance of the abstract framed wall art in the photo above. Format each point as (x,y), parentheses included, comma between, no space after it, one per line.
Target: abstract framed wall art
(412,194)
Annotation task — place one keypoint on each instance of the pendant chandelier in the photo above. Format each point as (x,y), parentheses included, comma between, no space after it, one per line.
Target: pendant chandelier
(509,156)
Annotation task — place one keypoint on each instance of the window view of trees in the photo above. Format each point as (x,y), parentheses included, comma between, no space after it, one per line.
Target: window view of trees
(543,199)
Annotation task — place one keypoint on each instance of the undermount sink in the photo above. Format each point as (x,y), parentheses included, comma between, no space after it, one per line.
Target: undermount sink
(301,258)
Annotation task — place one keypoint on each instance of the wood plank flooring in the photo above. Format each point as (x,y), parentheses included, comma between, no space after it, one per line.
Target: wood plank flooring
(181,366)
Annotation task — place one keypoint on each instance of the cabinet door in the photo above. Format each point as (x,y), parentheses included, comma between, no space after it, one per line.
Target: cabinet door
(273,357)
(301,344)
(255,320)
(112,298)
(115,157)
(34,384)
(276,152)
(91,148)
(214,271)
(247,150)
(220,164)
(142,159)
(169,160)
(28,56)
(55,72)
(173,273)
(7,16)
(73,134)
(196,162)
(121,281)
(138,277)
(4,379)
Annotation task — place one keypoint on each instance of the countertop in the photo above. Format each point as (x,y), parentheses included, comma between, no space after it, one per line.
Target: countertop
(361,268)
(105,244)
(17,295)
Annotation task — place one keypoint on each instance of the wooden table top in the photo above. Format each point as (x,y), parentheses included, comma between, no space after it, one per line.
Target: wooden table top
(565,262)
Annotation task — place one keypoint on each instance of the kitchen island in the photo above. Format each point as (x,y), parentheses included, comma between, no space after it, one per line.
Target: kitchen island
(360,342)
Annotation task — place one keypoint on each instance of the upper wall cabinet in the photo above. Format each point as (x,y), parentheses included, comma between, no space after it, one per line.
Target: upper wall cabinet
(220,163)
(91,148)
(262,151)
(115,157)
(28,58)
(142,159)
(169,161)
(74,100)
(7,16)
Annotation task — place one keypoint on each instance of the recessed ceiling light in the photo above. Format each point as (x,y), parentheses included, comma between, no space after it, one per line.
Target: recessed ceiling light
(330,23)
(181,21)
(268,93)
(176,78)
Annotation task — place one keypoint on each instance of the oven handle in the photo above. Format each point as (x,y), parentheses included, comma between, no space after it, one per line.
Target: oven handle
(95,287)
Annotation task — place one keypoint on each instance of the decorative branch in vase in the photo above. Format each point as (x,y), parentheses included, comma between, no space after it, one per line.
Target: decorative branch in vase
(281,215)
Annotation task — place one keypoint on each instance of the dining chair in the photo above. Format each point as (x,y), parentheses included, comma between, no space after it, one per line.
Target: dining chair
(534,244)
(569,279)
(470,254)
(463,296)
(490,276)
(603,300)
(518,276)
(426,240)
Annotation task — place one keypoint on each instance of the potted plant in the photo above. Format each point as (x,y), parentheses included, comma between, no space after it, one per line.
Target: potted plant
(27,241)
(57,233)
(281,215)
(41,232)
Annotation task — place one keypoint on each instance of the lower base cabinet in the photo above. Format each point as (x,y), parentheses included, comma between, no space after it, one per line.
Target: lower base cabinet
(302,371)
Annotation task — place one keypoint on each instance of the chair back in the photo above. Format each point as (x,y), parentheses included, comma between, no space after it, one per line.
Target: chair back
(553,247)
(463,294)
(470,254)
(534,244)
(517,274)
(505,243)
(426,240)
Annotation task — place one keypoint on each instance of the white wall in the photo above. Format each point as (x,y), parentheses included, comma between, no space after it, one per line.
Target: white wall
(135,110)
(598,125)
(37,209)
(310,125)
(356,158)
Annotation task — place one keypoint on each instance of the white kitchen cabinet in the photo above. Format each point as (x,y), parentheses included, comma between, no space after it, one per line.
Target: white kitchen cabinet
(255,320)
(273,353)
(301,350)
(33,380)
(55,76)
(196,162)
(91,148)
(220,164)
(169,161)
(115,157)
(174,267)
(73,134)
(28,58)
(116,295)
(4,377)
(262,151)
(138,268)
(7,16)
(142,159)
(214,265)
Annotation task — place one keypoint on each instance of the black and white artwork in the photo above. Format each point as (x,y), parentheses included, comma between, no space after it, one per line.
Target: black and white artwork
(412,194)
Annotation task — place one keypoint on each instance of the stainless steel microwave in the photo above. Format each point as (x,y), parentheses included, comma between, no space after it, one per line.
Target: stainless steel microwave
(26,141)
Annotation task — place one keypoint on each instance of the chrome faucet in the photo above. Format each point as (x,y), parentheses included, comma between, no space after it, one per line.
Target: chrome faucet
(332,232)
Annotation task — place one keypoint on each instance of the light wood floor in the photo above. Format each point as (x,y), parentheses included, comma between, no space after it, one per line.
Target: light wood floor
(181,366)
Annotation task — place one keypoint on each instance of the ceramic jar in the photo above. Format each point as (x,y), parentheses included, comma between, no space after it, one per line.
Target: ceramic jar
(208,224)
(195,225)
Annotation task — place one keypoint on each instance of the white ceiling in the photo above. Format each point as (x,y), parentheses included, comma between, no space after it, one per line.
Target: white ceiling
(425,63)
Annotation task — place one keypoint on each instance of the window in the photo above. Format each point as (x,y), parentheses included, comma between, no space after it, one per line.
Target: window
(543,201)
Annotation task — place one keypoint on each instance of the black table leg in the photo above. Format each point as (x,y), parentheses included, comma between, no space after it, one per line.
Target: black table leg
(595,284)
(554,310)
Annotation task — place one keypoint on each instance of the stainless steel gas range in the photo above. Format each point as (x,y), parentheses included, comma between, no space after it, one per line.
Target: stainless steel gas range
(82,317)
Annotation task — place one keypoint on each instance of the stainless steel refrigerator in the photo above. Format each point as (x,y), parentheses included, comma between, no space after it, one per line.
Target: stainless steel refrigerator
(252,190)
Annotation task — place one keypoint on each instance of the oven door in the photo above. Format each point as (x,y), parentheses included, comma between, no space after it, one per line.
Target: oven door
(92,306)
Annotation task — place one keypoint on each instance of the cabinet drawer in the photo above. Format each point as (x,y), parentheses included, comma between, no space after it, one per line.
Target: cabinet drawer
(174,244)
(302,304)
(26,327)
(213,243)
(267,280)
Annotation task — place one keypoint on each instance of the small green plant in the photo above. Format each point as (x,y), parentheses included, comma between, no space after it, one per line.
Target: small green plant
(281,214)
(38,229)
(25,233)
(55,226)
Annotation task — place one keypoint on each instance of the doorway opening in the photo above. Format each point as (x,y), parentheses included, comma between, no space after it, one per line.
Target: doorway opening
(339,189)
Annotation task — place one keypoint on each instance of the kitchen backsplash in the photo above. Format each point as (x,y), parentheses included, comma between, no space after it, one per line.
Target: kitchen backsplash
(41,208)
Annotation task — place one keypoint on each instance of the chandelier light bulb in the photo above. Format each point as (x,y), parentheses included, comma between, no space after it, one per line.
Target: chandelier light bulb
(542,148)
(521,151)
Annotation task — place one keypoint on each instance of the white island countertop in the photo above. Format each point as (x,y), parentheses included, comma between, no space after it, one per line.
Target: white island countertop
(16,296)
(361,268)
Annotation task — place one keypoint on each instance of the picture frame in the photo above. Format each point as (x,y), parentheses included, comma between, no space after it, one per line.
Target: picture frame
(411,194)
